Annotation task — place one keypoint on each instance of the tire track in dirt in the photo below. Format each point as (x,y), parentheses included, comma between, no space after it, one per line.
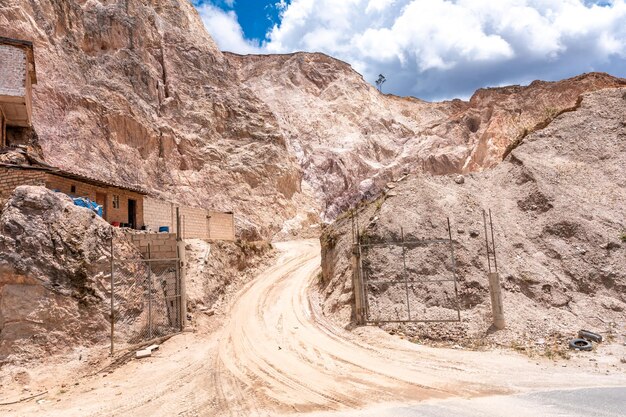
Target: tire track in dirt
(295,361)
(276,354)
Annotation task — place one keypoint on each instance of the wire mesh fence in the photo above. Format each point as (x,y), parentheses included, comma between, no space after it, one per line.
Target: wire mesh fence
(146,300)
(404,280)
(409,282)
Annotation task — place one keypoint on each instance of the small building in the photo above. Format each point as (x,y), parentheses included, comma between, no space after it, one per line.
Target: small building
(122,205)
(17,75)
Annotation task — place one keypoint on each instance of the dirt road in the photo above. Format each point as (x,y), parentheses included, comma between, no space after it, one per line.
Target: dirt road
(275,354)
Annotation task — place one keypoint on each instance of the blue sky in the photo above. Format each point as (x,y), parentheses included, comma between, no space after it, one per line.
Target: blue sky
(433,49)
(256,17)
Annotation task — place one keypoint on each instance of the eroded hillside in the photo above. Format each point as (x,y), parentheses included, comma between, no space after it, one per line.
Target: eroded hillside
(136,91)
(54,275)
(559,223)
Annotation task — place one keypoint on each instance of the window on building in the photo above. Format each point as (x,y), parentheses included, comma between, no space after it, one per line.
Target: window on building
(73,189)
(116,201)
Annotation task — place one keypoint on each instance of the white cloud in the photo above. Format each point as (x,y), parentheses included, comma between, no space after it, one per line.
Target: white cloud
(378,5)
(226,30)
(443,48)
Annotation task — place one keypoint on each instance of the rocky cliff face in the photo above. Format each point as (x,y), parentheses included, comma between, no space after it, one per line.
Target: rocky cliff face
(560,235)
(54,274)
(136,91)
(351,140)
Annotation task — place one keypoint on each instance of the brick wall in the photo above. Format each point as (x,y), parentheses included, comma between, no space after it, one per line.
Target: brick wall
(64,185)
(196,223)
(111,214)
(222,226)
(162,245)
(158,213)
(12,71)
(10,178)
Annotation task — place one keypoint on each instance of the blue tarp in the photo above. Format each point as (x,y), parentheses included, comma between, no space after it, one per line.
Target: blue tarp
(87,203)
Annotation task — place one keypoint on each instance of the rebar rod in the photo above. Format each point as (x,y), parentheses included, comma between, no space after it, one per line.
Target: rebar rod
(406,284)
(487,241)
(493,242)
(456,289)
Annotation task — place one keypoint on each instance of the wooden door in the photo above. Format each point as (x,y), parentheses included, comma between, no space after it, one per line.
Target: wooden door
(101,199)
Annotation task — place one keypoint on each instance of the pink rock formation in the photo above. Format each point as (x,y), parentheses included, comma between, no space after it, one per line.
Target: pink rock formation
(136,91)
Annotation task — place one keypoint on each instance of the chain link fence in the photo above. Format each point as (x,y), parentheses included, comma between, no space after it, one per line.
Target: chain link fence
(409,281)
(404,280)
(146,300)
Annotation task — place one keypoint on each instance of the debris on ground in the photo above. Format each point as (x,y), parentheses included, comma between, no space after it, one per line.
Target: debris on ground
(591,336)
(146,352)
(580,344)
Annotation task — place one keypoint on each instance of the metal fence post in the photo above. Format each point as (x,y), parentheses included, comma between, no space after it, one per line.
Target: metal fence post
(178,231)
(181,270)
(495,291)
(149,295)
(357,285)
(112,295)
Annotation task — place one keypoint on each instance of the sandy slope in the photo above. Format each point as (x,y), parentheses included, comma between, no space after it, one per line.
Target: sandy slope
(276,355)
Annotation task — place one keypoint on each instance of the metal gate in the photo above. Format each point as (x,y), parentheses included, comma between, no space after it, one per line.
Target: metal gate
(401,281)
(146,300)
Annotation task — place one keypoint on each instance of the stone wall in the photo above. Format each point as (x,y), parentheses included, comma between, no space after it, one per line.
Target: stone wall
(13,69)
(196,223)
(10,178)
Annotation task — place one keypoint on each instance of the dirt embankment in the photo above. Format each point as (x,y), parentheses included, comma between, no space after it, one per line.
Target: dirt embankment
(217,270)
(560,229)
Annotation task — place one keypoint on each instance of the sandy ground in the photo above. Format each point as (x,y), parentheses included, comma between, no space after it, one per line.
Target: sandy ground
(274,353)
